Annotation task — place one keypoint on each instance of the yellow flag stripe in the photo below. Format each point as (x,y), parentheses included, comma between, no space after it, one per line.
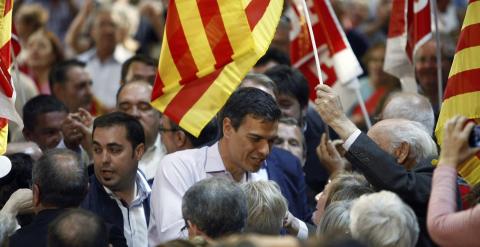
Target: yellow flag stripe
(170,76)
(470,170)
(5,28)
(236,26)
(465,59)
(472,16)
(265,30)
(196,38)
(3,139)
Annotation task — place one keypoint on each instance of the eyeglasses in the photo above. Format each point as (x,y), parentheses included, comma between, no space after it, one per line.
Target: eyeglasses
(163,129)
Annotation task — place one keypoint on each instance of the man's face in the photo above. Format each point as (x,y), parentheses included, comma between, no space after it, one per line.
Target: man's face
(168,135)
(76,92)
(426,67)
(104,31)
(47,132)
(290,107)
(290,138)
(250,144)
(134,99)
(115,162)
(140,71)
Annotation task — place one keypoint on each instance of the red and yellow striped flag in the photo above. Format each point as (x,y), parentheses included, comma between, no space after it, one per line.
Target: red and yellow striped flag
(462,94)
(208,47)
(7,92)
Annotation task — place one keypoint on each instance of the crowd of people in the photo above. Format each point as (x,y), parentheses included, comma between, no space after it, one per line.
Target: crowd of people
(97,165)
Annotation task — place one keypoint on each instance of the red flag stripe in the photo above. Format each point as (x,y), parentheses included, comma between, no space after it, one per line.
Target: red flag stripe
(469,37)
(215,30)
(189,95)
(471,1)
(328,27)
(464,82)
(255,11)
(3,122)
(397,19)
(8,7)
(178,44)
(157,87)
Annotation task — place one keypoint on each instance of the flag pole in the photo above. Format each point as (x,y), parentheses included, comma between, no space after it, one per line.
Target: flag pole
(361,102)
(314,43)
(439,54)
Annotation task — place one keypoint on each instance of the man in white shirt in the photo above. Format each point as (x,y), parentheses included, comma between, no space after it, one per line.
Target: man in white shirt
(249,123)
(133,98)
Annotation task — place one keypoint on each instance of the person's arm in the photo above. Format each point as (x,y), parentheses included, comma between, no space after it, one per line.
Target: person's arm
(72,37)
(153,11)
(19,202)
(447,227)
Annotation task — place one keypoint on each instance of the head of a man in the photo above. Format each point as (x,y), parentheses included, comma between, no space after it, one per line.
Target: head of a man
(261,82)
(383,219)
(214,207)
(426,66)
(405,140)
(43,117)
(293,91)
(134,99)
(104,30)
(71,84)
(410,106)
(59,180)
(266,207)
(272,58)
(290,138)
(77,227)
(249,123)
(138,68)
(118,145)
(175,138)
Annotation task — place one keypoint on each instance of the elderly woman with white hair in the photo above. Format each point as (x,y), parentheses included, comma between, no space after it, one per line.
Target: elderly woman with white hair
(383,219)
(266,207)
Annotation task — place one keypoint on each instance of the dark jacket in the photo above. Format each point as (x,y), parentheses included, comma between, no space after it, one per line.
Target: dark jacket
(384,173)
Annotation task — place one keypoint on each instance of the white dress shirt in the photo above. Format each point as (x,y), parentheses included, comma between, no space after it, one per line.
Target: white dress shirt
(151,158)
(134,220)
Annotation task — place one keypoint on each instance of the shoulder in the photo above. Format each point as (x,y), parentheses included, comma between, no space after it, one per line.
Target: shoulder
(87,55)
(283,160)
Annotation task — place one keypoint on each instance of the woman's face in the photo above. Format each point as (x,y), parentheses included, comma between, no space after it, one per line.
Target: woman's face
(375,66)
(40,51)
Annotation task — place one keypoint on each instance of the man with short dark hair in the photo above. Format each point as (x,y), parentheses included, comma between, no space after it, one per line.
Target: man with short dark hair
(139,67)
(119,192)
(43,117)
(290,137)
(77,228)
(60,181)
(249,121)
(71,84)
(214,207)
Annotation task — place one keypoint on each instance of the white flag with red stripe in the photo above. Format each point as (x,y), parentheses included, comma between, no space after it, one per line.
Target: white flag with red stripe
(337,60)
(409,29)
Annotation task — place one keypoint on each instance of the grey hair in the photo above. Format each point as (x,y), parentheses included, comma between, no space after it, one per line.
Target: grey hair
(383,219)
(421,143)
(336,218)
(262,80)
(410,106)
(217,206)
(266,207)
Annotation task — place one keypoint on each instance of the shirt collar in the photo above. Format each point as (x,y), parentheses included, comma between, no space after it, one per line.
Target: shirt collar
(214,162)
(142,190)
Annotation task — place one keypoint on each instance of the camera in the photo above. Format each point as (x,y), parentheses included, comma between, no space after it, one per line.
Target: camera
(474,139)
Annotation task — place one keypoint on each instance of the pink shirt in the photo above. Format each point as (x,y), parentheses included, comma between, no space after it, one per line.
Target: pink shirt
(447,227)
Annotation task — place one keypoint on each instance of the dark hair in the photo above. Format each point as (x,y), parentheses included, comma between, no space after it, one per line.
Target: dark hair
(20,176)
(57,47)
(208,134)
(61,178)
(290,81)
(249,101)
(136,58)
(134,129)
(217,206)
(40,104)
(58,74)
(276,55)
(77,228)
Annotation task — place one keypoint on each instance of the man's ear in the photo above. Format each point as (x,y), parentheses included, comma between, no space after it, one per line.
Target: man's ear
(227,127)
(36,195)
(57,90)
(402,153)
(180,138)
(139,151)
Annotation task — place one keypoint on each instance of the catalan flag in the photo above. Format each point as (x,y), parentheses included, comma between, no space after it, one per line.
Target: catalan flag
(462,93)
(7,92)
(409,28)
(208,47)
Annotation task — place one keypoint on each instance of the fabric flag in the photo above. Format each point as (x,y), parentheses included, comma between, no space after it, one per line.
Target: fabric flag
(209,46)
(409,28)
(462,93)
(7,92)
(337,60)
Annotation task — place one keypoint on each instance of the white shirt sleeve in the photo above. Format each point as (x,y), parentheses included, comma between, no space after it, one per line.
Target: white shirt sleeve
(302,231)
(351,139)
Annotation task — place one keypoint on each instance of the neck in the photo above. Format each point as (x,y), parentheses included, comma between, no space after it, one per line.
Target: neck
(41,207)
(236,171)
(41,74)
(127,194)
(104,54)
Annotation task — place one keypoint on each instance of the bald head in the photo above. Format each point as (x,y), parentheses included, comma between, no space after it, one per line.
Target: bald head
(406,140)
(410,106)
